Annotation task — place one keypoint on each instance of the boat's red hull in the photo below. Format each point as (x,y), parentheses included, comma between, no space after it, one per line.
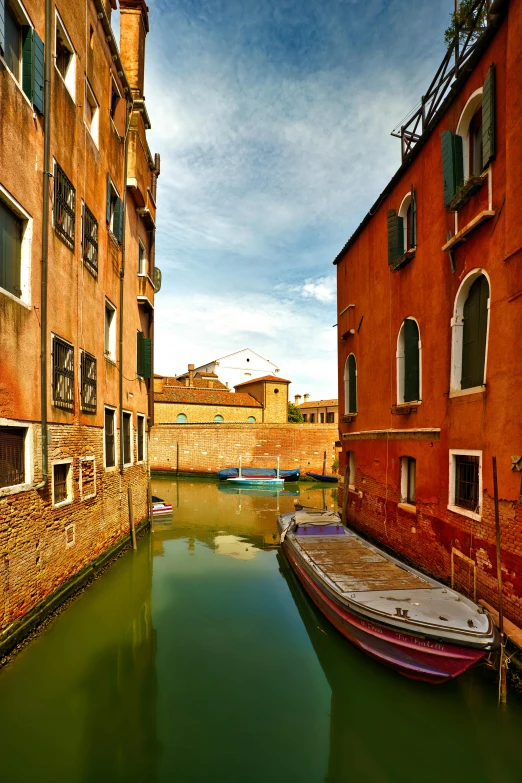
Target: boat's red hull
(412,656)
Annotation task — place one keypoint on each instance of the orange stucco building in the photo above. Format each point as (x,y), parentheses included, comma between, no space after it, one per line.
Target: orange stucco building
(77,284)
(429,303)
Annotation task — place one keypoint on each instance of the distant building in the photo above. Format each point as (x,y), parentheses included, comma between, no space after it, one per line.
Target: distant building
(198,397)
(317,411)
(238,367)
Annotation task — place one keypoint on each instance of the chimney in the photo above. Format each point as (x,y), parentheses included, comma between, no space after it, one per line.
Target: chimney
(306,397)
(191,374)
(210,384)
(134,26)
(158,385)
(297,399)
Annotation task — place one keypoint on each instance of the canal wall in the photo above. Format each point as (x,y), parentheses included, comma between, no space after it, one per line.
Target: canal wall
(44,545)
(206,448)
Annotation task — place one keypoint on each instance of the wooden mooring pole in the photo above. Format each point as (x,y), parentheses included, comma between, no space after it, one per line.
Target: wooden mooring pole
(502,686)
(151,516)
(324,464)
(131,517)
(346,486)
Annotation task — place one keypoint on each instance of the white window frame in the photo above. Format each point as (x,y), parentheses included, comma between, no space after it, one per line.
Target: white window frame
(83,460)
(141,272)
(351,465)
(69,484)
(90,98)
(452,472)
(109,345)
(116,444)
(23,19)
(347,387)
(114,84)
(114,196)
(28,457)
(143,418)
(404,481)
(126,412)
(401,365)
(26,249)
(457,335)
(468,112)
(70,77)
(403,213)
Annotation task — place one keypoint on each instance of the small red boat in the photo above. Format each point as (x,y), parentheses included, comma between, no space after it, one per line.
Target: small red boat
(406,620)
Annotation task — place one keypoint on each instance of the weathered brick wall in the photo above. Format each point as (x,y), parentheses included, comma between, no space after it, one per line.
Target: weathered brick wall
(35,556)
(447,545)
(167,412)
(207,448)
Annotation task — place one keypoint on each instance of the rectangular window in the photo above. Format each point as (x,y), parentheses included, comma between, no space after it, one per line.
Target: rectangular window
(63,374)
(127,439)
(88,382)
(467,482)
(65,58)
(62,482)
(90,241)
(109,431)
(321,418)
(350,456)
(87,477)
(141,437)
(12,456)
(91,112)
(312,418)
(12,42)
(11,232)
(110,331)
(330,418)
(142,259)
(115,99)
(114,211)
(408,479)
(305,417)
(64,206)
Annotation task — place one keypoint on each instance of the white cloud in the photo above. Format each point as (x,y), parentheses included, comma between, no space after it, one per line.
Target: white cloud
(323,289)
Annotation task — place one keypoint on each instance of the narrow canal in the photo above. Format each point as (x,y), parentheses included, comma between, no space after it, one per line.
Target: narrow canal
(198,658)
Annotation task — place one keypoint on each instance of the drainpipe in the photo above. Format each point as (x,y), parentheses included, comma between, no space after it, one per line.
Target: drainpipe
(45,240)
(130,104)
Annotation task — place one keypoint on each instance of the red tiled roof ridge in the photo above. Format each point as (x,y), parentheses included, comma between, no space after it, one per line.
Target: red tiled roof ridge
(318,403)
(263,378)
(188,396)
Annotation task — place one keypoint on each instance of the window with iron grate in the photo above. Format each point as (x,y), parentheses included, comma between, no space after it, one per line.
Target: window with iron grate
(64,206)
(12,456)
(467,482)
(88,382)
(90,241)
(63,374)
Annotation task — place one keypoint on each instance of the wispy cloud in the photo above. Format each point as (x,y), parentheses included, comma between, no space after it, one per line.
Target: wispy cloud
(273,123)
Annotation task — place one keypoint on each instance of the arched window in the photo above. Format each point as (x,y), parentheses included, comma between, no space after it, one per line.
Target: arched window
(218,418)
(408,362)
(408,215)
(470,332)
(251,420)
(350,385)
(181,419)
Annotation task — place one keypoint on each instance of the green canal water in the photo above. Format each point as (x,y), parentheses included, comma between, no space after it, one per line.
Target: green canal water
(198,658)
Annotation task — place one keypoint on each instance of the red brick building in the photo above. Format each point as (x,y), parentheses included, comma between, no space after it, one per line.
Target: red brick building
(77,284)
(429,307)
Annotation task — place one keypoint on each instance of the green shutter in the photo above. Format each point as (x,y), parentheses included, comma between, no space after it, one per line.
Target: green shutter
(117,220)
(38,74)
(488,117)
(10,251)
(2,27)
(395,236)
(33,67)
(474,334)
(144,356)
(109,194)
(352,384)
(411,361)
(413,219)
(452,164)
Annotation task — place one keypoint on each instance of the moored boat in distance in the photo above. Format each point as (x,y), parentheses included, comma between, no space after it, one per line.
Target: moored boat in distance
(252,481)
(160,508)
(287,475)
(406,620)
(323,477)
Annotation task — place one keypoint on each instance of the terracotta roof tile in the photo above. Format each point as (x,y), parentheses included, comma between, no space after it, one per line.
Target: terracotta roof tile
(206,397)
(318,404)
(263,378)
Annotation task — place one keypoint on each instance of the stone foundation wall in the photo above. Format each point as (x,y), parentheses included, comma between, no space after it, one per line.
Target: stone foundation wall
(206,448)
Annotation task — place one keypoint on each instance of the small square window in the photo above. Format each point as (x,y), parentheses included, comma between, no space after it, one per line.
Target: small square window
(127,438)
(64,206)
(465,484)
(109,439)
(65,58)
(92,112)
(63,374)
(110,331)
(62,483)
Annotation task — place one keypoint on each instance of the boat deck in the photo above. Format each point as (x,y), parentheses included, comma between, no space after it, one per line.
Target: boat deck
(354,567)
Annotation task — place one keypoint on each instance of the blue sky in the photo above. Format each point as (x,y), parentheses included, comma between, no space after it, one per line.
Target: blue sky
(273,120)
